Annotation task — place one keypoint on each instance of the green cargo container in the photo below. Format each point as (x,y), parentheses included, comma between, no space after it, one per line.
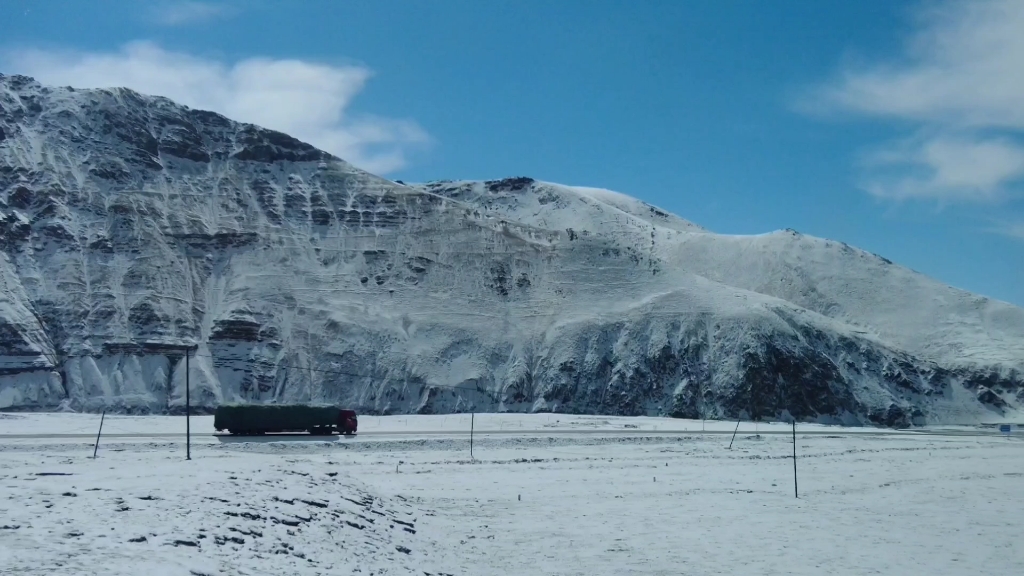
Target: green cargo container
(269,418)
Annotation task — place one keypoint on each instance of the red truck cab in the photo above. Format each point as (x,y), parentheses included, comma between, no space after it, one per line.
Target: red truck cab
(347,422)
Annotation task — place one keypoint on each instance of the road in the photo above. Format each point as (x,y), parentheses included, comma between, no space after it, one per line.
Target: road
(518,432)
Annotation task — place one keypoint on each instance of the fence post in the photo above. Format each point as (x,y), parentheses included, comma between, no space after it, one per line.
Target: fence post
(472,418)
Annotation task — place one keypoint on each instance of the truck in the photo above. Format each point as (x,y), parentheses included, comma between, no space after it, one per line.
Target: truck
(254,419)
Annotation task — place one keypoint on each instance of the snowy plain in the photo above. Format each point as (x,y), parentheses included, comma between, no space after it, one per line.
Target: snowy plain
(50,423)
(597,502)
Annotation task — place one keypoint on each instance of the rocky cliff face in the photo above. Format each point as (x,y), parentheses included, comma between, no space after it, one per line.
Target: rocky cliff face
(131,227)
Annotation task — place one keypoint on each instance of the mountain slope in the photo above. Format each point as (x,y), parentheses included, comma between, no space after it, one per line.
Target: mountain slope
(872,294)
(133,226)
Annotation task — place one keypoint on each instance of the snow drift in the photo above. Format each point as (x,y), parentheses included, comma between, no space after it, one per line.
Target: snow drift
(131,227)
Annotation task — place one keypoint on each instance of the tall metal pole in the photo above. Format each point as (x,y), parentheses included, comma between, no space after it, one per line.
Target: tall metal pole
(98,432)
(188,411)
(309,350)
(796,493)
(734,433)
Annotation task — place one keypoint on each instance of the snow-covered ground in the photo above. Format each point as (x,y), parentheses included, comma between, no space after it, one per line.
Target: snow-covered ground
(147,512)
(530,503)
(43,423)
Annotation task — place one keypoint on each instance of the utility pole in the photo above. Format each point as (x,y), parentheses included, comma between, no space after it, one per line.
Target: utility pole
(98,432)
(309,353)
(188,410)
(311,376)
(734,432)
(796,493)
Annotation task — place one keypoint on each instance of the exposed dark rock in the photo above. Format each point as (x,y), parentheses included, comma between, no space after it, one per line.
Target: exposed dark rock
(142,347)
(145,320)
(659,213)
(183,141)
(14,230)
(21,197)
(499,280)
(418,264)
(57,231)
(242,330)
(990,398)
(111,170)
(12,342)
(210,119)
(269,146)
(806,384)
(200,242)
(515,184)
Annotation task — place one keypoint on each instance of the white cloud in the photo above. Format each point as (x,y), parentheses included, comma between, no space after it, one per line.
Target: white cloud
(1011,229)
(177,13)
(307,100)
(959,87)
(945,167)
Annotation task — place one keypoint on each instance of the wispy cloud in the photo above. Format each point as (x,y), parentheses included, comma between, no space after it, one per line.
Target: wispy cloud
(1011,229)
(307,100)
(181,12)
(949,167)
(959,88)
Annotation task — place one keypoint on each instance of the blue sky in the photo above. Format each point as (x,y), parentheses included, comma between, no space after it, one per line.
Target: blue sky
(893,126)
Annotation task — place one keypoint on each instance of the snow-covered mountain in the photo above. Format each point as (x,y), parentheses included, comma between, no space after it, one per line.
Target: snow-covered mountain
(131,226)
